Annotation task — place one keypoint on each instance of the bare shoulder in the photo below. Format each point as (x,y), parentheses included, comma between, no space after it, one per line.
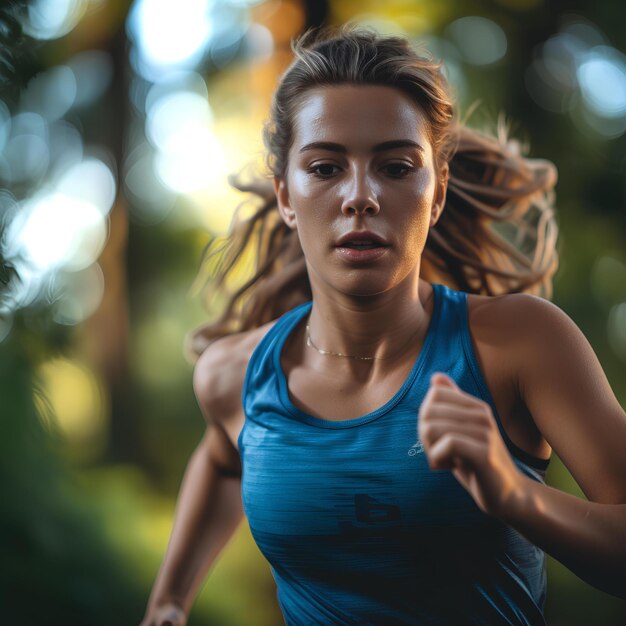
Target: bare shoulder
(501,331)
(515,314)
(220,371)
(520,327)
(218,379)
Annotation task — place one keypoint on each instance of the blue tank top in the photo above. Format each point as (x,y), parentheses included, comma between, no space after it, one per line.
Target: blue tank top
(355,526)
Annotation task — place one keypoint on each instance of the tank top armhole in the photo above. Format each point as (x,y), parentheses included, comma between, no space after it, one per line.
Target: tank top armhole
(246,380)
(259,350)
(523,456)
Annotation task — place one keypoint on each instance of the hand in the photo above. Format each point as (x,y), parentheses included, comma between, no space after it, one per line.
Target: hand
(459,433)
(169,614)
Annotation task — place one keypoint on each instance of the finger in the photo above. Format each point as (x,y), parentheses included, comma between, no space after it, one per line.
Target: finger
(445,410)
(455,448)
(431,432)
(452,417)
(439,378)
(439,393)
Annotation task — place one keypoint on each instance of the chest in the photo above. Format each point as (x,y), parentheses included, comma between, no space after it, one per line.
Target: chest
(350,482)
(328,396)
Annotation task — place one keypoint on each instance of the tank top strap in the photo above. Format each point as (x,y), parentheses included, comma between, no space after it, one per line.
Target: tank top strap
(445,354)
(451,305)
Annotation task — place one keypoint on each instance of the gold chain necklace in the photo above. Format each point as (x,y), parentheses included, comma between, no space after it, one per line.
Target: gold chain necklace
(309,342)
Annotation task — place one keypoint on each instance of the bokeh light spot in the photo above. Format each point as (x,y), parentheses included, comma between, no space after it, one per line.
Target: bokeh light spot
(90,181)
(50,19)
(51,93)
(151,200)
(602,78)
(616,329)
(27,158)
(78,407)
(192,161)
(178,114)
(170,34)
(78,294)
(175,83)
(93,72)
(480,40)
(259,42)
(55,230)
(26,155)
(608,280)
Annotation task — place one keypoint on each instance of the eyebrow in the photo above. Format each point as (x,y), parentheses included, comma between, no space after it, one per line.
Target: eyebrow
(381,147)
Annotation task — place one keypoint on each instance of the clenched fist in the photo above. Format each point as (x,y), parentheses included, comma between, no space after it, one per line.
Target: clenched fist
(460,433)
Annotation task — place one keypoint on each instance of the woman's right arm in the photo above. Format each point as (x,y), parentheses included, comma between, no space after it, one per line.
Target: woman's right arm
(209,508)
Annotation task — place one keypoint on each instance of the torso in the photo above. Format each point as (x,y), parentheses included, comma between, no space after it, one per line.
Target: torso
(329,398)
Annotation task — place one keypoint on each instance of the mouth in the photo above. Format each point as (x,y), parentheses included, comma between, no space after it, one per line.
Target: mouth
(360,246)
(362,240)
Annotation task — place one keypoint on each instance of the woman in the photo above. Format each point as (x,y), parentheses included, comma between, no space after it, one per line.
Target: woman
(387,434)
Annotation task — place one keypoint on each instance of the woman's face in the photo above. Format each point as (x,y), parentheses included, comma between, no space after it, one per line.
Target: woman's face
(361,160)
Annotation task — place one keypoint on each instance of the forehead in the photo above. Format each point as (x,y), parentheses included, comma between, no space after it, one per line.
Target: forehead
(358,116)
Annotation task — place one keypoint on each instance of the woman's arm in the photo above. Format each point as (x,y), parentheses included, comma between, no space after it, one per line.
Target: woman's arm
(572,404)
(209,506)
(588,537)
(208,512)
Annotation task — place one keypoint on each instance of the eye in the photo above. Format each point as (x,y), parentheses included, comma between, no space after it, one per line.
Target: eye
(322,170)
(398,170)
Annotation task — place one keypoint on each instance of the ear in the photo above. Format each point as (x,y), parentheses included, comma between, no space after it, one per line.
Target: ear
(439,200)
(282,200)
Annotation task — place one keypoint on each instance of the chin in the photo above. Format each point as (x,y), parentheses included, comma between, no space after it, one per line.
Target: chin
(364,287)
(358,281)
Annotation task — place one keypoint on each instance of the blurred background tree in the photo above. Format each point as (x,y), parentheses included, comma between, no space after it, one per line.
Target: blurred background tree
(120,122)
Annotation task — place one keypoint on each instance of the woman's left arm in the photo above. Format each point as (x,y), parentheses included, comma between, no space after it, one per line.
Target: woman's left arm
(569,397)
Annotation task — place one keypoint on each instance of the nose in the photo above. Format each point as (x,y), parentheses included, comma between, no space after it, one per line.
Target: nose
(359,195)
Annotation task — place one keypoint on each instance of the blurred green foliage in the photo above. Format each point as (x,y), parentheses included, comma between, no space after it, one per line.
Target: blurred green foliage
(58,564)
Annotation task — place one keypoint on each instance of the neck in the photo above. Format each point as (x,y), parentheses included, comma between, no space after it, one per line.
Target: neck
(382,327)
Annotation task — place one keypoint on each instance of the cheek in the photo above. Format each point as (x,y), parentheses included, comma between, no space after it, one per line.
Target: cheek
(423,188)
(301,185)
(313,223)
(414,203)
(314,206)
